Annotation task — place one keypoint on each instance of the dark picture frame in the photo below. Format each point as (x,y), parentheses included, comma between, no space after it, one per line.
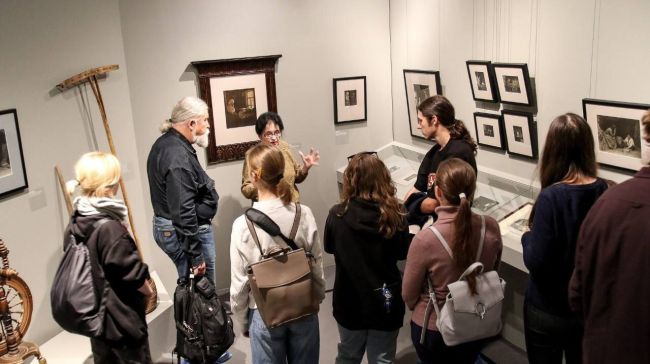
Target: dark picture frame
(489,130)
(237,91)
(617,132)
(418,86)
(513,83)
(481,81)
(350,99)
(520,133)
(13,175)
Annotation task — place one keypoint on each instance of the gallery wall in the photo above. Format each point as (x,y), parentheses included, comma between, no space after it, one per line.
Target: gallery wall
(44,43)
(574,50)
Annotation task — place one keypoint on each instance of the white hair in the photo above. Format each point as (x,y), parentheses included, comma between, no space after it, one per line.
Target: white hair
(187,108)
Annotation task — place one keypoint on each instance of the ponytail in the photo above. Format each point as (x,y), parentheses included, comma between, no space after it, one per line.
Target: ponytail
(463,250)
(458,131)
(283,190)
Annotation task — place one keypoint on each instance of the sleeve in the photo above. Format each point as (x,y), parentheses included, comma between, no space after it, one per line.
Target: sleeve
(416,269)
(537,243)
(587,236)
(315,248)
(423,173)
(301,174)
(404,238)
(247,189)
(328,234)
(122,263)
(181,190)
(239,286)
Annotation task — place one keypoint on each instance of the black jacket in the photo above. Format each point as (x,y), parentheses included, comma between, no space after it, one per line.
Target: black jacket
(125,272)
(365,260)
(180,189)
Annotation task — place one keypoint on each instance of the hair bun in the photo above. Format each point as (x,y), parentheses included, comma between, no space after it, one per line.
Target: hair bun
(71,186)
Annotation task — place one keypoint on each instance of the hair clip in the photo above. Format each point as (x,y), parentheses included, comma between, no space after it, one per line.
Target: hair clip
(462,195)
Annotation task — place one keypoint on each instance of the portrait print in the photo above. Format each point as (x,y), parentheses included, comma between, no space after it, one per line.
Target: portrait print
(619,135)
(5,161)
(511,84)
(519,133)
(488,130)
(350,97)
(421,93)
(240,107)
(480,81)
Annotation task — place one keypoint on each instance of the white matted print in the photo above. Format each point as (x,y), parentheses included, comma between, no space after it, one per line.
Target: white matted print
(517,222)
(13,176)
(617,132)
(350,99)
(420,85)
(489,131)
(481,81)
(520,133)
(227,130)
(513,83)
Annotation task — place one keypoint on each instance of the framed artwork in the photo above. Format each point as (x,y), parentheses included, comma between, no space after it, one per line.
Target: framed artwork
(517,221)
(489,130)
(350,103)
(13,176)
(513,83)
(420,85)
(237,91)
(481,80)
(520,133)
(483,204)
(617,131)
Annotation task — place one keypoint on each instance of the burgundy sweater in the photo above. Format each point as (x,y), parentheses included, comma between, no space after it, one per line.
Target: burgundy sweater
(427,256)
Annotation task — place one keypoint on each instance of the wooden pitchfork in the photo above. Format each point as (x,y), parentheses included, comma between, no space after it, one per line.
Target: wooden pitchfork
(91,76)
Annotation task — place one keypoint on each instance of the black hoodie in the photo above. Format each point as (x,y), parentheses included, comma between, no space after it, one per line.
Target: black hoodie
(365,261)
(125,272)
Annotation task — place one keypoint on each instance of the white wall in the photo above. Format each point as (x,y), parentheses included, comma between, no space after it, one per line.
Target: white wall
(574,50)
(318,40)
(43,43)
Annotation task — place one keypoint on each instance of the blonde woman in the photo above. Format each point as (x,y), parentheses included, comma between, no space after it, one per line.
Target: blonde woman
(297,341)
(125,337)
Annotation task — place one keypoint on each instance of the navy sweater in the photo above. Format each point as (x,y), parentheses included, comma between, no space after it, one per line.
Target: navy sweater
(549,248)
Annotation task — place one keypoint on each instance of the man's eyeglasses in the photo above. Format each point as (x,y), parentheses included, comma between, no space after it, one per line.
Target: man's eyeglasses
(362,153)
(272,134)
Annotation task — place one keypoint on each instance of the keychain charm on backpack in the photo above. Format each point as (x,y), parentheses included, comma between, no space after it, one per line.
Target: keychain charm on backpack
(388,296)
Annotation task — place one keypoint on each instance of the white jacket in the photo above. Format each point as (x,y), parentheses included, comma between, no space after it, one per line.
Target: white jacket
(244,251)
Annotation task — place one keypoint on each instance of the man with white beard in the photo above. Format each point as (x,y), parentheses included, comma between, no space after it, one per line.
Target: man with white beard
(183,196)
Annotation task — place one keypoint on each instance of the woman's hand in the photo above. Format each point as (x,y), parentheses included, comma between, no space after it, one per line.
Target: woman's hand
(310,159)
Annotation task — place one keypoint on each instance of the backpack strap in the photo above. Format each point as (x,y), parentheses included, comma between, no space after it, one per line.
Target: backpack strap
(251,228)
(289,241)
(296,224)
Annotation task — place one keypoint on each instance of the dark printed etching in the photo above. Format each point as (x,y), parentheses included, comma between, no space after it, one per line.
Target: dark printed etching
(520,225)
(350,97)
(511,84)
(483,203)
(421,93)
(480,81)
(519,133)
(240,107)
(5,162)
(488,130)
(619,135)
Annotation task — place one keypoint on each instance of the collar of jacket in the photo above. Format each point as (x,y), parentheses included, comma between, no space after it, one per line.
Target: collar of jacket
(186,143)
(446,212)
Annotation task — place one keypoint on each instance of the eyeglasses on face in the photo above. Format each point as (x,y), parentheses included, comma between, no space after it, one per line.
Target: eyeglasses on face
(272,134)
(362,153)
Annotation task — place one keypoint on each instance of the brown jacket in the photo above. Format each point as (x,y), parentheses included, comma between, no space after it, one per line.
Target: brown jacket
(610,287)
(427,257)
(293,174)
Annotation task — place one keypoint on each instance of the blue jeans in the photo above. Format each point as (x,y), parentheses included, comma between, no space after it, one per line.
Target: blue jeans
(549,337)
(297,342)
(380,345)
(165,236)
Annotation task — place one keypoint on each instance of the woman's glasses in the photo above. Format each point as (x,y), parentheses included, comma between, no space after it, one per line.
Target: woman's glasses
(272,134)
(362,153)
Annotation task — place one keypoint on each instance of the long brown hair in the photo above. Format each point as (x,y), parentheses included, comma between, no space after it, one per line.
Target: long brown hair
(439,106)
(455,176)
(268,163)
(568,154)
(366,177)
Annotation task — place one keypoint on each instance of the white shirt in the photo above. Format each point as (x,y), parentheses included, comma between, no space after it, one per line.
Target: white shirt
(244,251)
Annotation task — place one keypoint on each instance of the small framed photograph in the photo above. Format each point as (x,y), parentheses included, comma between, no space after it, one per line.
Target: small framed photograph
(617,131)
(489,130)
(481,79)
(350,104)
(521,136)
(13,176)
(517,221)
(483,204)
(420,85)
(513,83)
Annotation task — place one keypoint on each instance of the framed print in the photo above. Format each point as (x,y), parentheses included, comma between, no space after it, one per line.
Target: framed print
(617,131)
(516,222)
(420,85)
(350,104)
(513,83)
(237,91)
(520,135)
(481,80)
(489,130)
(13,176)
(483,204)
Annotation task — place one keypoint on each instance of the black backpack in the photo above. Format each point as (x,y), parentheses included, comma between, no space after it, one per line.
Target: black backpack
(78,305)
(203,329)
